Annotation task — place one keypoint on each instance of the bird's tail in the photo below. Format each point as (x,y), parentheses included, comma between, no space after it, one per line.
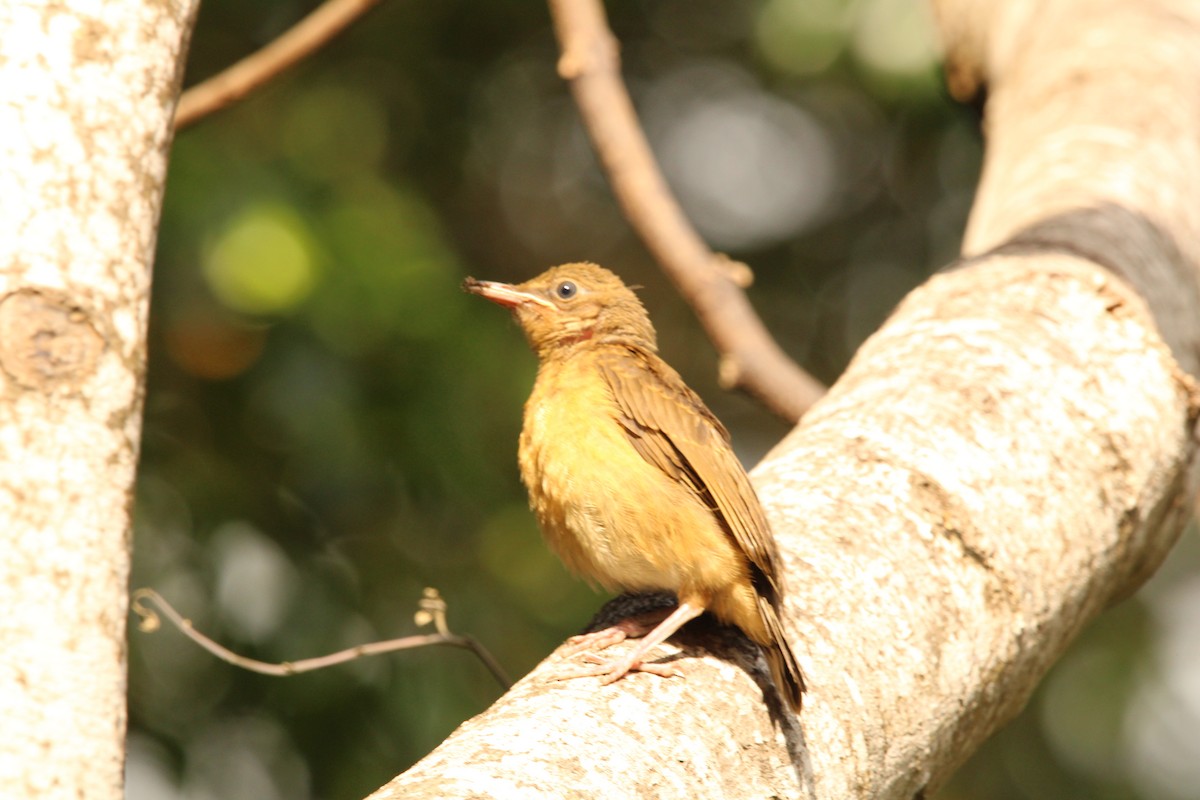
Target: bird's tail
(785,670)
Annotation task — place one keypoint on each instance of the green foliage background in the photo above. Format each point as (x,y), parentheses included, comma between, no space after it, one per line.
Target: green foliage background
(331,423)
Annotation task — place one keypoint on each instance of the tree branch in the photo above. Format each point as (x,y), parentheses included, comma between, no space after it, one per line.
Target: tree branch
(750,359)
(432,611)
(1119,123)
(296,44)
(1011,453)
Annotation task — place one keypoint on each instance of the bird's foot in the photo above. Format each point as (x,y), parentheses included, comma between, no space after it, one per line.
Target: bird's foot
(613,669)
(629,628)
(656,627)
(596,640)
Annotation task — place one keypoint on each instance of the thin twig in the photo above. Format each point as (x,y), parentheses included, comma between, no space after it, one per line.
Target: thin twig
(297,43)
(750,359)
(432,610)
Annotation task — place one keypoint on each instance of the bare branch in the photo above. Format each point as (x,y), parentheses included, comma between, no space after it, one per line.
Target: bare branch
(750,359)
(297,43)
(432,611)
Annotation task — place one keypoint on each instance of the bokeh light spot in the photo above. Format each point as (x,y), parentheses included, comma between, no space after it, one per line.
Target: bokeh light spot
(750,169)
(263,262)
(895,37)
(255,580)
(211,346)
(1161,746)
(803,37)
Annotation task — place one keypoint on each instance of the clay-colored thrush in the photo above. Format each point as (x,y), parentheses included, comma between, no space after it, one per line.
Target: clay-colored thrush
(632,478)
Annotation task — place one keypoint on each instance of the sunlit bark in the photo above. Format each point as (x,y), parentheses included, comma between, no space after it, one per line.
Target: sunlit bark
(87,93)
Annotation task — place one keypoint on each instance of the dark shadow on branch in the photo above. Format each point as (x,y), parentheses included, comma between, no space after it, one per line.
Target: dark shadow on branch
(1129,245)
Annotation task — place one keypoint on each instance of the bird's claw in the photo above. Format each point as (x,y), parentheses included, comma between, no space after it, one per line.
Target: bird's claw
(632,627)
(613,669)
(596,640)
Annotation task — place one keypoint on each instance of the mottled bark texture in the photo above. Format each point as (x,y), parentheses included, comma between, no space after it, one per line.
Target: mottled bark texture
(87,93)
(1012,452)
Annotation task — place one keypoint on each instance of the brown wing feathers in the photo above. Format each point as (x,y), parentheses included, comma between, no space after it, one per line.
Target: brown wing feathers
(672,428)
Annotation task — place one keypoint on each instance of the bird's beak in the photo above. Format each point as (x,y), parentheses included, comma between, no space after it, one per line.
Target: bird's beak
(503,294)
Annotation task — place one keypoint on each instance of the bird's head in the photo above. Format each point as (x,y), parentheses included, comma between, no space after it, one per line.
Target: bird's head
(570,306)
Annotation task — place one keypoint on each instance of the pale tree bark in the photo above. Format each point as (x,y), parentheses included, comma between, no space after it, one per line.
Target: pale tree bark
(1011,453)
(87,94)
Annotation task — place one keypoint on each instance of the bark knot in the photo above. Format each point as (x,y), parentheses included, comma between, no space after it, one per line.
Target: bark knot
(47,339)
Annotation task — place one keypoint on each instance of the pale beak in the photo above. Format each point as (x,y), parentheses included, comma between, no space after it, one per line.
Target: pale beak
(504,294)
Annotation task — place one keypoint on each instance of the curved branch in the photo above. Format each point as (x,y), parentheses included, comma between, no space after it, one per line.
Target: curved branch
(294,45)
(750,359)
(433,610)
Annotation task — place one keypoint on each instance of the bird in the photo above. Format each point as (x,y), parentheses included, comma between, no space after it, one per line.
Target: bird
(633,480)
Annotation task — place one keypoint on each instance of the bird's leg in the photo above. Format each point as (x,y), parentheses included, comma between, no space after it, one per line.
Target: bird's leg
(631,627)
(614,669)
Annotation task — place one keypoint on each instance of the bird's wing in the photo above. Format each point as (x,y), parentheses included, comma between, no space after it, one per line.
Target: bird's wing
(669,425)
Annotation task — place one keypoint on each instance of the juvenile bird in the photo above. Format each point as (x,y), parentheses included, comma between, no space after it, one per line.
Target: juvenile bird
(632,478)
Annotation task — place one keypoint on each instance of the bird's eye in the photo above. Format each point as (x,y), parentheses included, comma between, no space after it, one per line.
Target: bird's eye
(565,290)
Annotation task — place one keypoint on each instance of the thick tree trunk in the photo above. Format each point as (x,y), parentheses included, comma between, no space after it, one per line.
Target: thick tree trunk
(1010,454)
(86,103)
